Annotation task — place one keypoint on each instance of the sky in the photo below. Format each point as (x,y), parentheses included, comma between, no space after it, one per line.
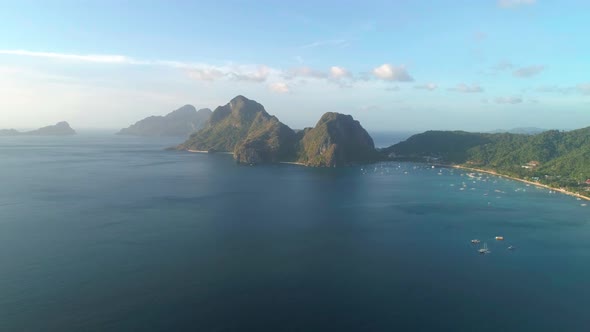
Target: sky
(394,65)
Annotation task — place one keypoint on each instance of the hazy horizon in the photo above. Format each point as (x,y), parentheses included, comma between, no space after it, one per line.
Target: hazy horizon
(461,65)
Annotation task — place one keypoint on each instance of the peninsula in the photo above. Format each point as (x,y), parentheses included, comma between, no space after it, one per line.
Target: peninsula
(556,159)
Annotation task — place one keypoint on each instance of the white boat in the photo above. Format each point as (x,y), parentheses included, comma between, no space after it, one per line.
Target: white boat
(511,248)
(475,241)
(485,249)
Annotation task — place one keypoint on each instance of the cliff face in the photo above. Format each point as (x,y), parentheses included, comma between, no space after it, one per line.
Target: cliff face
(245,128)
(271,141)
(60,129)
(229,126)
(336,140)
(180,123)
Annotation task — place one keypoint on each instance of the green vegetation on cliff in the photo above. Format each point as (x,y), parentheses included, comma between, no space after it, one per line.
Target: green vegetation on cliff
(228,126)
(245,128)
(336,140)
(557,158)
(269,141)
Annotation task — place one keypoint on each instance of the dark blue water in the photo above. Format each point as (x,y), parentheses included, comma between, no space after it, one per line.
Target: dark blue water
(101,233)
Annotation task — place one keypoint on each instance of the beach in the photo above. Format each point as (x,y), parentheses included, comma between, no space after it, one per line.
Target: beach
(563,191)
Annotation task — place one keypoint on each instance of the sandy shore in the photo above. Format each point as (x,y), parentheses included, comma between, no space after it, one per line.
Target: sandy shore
(536,184)
(204,151)
(291,163)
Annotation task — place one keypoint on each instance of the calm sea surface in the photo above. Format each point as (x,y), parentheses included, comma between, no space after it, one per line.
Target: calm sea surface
(106,233)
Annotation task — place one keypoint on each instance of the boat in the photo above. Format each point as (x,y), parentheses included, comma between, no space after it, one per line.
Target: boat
(511,248)
(475,241)
(499,238)
(484,250)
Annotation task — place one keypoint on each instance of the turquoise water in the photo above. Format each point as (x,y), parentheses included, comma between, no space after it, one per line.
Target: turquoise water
(110,233)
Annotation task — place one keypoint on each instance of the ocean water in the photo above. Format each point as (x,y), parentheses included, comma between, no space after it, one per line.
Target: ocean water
(106,233)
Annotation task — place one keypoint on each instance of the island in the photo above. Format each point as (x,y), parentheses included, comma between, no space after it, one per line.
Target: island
(179,123)
(244,128)
(60,129)
(555,159)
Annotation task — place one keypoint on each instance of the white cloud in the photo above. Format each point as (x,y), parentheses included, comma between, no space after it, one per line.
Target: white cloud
(388,72)
(279,87)
(197,71)
(426,86)
(304,72)
(338,72)
(206,74)
(525,72)
(508,100)
(465,88)
(120,59)
(259,75)
(515,3)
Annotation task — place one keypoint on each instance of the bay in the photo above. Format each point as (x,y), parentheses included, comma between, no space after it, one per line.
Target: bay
(99,232)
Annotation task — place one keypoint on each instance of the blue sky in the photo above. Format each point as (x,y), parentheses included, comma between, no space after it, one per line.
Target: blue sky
(394,65)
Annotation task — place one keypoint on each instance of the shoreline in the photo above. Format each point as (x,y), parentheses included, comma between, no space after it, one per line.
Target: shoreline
(204,151)
(536,184)
(225,152)
(292,163)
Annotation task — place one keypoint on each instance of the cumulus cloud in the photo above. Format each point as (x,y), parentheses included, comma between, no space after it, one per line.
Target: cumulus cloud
(388,72)
(205,74)
(426,86)
(515,3)
(465,88)
(525,72)
(306,72)
(279,87)
(259,75)
(338,72)
(508,100)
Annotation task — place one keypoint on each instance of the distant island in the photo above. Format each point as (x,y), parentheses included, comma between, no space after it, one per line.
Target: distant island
(60,129)
(179,123)
(244,128)
(556,159)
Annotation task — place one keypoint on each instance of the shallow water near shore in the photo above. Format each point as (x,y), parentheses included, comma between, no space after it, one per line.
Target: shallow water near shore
(101,232)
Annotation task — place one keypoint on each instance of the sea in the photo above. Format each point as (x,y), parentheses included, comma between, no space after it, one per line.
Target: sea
(108,233)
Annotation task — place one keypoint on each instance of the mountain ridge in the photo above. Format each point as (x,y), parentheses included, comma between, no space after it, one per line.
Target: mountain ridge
(246,129)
